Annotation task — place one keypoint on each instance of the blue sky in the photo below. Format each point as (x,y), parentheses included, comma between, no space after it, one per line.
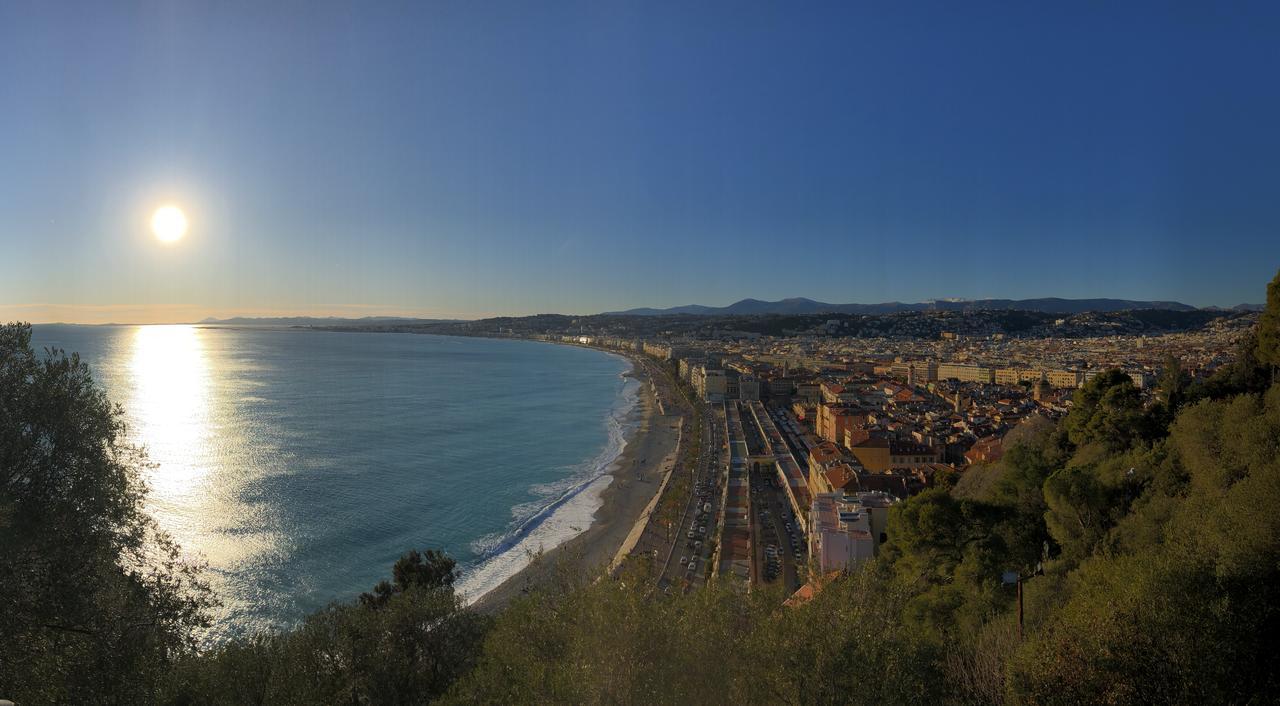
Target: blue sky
(467,159)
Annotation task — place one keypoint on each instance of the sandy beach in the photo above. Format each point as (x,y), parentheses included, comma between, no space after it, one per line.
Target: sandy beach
(637,475)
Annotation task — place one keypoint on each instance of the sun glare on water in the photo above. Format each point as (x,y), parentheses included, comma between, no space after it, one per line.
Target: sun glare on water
(169,224)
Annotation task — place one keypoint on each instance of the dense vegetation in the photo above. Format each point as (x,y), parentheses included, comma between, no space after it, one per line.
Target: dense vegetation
(94,600)
(1147,536)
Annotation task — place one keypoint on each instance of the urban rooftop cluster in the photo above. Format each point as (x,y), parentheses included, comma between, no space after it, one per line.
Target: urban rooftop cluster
(841,427)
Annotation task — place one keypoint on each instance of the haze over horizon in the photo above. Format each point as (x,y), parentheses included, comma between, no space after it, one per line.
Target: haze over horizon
(455,161)
(147,316)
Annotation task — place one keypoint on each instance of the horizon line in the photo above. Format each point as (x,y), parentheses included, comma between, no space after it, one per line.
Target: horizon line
(136,315)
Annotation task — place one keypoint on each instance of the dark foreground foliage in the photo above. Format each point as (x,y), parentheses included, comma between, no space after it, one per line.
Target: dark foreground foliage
(1148,537)
(94,600)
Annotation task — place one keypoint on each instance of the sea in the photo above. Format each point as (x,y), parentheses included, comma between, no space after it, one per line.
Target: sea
(297,465)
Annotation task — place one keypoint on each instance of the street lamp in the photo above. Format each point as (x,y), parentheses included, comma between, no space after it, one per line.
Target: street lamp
(1014,577)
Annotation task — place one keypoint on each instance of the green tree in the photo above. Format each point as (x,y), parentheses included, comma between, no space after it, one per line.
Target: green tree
(1243,375)
(1171,388)
(1268,343)
(95,601)
(1079,510)
(407,646)
(1107,411)
(428,570)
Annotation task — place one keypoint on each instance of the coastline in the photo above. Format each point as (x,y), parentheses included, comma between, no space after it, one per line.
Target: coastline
(633,481)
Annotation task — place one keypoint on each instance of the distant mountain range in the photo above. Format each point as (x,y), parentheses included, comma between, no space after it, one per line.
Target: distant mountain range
(1239,307)
(800,305)
(321,321)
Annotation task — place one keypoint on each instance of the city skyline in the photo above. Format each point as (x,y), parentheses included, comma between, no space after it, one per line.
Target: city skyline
(462,162)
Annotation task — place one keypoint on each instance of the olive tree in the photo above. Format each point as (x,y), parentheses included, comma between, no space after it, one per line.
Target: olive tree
(95,600)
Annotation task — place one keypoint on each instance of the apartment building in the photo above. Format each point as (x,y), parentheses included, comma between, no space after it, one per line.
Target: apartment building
(966,372)
(879,455)
(832,421)
(1064,378)
(711,385)
(845,529)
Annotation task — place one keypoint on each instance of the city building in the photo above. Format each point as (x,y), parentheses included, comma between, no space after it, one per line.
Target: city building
(711,385)
(967,372)
(880,455)
(845,529)
(832,421)
(1064,378)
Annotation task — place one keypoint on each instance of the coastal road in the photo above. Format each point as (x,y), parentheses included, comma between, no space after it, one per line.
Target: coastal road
(701,509)
(693,485)
(666,532)
(692,488)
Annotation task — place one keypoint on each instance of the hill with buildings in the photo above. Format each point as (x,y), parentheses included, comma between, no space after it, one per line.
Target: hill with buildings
(919,325)
(801,305)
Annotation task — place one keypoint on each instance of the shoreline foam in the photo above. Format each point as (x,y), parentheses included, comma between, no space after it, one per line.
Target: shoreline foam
(571,513)
(635,478)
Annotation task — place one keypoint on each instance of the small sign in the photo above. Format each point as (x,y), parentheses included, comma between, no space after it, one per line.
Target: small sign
(1009,577)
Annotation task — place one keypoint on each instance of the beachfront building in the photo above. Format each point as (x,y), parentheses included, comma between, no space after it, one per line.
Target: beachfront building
(665,351)
(687,366)
(711,385)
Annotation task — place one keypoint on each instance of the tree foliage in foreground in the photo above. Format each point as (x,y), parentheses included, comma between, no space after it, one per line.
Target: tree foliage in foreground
(95,602)
(616,641)
(406,648)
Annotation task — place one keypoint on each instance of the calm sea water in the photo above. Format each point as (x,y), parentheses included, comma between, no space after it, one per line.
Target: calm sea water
(300,464)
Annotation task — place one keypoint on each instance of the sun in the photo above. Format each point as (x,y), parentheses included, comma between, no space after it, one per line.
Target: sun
(169,224)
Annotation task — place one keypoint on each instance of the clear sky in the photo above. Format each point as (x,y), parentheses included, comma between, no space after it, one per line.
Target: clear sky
(476,158)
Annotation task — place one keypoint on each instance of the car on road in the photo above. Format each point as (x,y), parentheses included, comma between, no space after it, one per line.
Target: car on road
(684,560)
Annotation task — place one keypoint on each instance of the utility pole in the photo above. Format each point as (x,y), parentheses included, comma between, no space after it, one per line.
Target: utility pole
(1017,577)
(1019,609)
